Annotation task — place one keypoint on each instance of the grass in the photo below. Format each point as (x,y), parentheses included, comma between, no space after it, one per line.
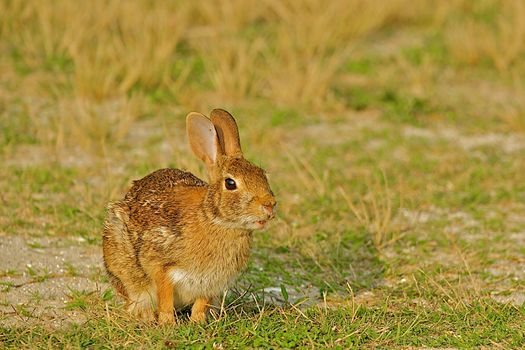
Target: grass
(392,135)
(347,326)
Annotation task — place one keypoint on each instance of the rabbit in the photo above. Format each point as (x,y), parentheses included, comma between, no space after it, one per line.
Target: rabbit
(175,240)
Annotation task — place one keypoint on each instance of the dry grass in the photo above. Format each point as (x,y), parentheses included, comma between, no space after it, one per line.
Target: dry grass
(230,62)
(105,47)
(79,56)
(376,212)
(494,30)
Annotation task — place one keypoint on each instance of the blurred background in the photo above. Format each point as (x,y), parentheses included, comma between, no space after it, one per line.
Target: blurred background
(86,71)
(393,131)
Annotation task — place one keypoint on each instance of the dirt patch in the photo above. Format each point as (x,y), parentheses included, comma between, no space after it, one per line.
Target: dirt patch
(514,298)
(41,277)
(335,133)
(508,143)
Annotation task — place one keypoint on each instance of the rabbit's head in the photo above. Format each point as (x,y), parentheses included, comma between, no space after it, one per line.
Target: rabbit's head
(239,195)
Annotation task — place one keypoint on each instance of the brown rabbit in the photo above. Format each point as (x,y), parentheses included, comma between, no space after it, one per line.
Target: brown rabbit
(176,240)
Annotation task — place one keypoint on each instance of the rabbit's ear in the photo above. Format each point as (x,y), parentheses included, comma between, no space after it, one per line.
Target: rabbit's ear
(227,132)
(203,138)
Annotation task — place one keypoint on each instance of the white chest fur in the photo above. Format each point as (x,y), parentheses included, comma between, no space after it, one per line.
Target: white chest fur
(178,275)
(189,285)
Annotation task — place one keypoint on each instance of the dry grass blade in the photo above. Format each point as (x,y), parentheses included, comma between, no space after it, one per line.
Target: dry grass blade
(375,211)
(308,175)
(230,62)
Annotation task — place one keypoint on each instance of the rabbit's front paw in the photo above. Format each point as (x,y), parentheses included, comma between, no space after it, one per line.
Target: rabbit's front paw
(146,314)
(199,317)
(199,310)
(166,318)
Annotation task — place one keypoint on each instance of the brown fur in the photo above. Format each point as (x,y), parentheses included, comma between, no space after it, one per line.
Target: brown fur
(176,240)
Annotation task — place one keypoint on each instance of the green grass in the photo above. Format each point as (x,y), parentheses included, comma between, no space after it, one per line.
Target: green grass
(390,324)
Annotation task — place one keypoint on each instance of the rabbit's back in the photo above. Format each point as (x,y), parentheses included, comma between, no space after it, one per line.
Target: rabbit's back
(154,201)
(161,181)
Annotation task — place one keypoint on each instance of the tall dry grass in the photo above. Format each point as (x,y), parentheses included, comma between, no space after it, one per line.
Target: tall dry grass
(488,30)
(376,212)
(105,47)
(291,50)
(198,54)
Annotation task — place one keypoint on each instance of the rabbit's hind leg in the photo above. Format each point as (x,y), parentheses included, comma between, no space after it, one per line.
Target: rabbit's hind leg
(117,284)
(136,288)
(141,303)
(123,267)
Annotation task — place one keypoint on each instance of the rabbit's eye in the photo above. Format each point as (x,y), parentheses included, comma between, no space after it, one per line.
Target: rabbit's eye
(230,184)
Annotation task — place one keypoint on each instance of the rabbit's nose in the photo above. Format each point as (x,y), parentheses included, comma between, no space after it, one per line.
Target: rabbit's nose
(269,207)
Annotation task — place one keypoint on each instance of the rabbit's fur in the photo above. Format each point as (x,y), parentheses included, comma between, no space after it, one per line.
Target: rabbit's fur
(176,240)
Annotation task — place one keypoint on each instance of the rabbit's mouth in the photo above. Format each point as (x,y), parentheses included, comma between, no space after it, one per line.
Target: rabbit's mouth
(256,225)
(260,224)
(255,222)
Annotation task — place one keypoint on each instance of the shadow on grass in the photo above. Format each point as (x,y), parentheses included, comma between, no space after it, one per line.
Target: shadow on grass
(286,275)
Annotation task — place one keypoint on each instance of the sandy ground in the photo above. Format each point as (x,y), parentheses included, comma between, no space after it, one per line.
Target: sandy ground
(39,276)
